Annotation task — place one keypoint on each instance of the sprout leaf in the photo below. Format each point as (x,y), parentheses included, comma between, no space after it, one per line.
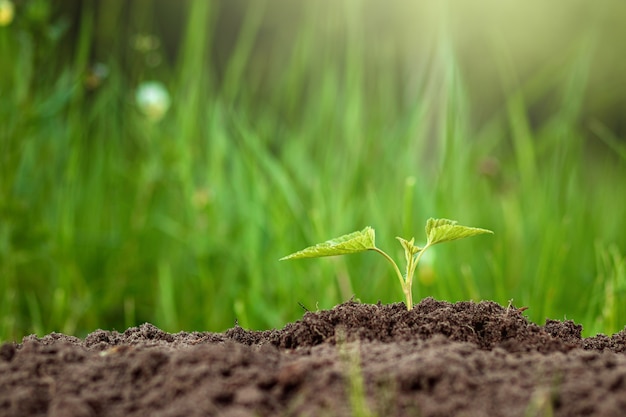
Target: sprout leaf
(351,243)
(444,230)
(409,248)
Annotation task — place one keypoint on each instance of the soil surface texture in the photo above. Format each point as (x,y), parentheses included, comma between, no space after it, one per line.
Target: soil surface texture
(440,359)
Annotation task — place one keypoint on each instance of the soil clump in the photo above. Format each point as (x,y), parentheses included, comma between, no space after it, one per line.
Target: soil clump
(439,359)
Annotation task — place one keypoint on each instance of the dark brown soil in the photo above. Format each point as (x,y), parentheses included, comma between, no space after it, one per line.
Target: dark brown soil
(441,359)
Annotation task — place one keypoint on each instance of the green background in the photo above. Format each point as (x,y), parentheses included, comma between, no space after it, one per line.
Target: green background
(294,122)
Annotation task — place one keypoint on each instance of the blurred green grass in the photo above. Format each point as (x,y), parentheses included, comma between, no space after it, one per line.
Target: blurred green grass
(108,220)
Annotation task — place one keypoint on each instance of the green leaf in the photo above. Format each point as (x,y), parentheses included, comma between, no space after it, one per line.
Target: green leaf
(351,243)
(444,230)
(409,248)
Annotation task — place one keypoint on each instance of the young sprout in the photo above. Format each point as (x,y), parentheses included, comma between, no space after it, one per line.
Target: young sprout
(437,231)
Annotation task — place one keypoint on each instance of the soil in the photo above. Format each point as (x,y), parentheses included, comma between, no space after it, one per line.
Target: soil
(440,359)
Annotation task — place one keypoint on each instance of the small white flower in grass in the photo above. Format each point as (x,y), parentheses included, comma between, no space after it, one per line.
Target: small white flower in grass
(7,11)
(153,100)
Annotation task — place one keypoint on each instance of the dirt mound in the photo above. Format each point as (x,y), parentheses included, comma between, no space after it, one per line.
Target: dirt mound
(440,359)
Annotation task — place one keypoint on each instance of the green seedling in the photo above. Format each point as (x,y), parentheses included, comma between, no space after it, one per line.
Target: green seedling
(437,231)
